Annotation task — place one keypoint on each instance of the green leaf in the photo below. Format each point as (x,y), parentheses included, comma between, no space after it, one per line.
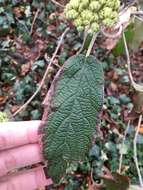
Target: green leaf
(134,37)
(129,33)
(78,99)
(137,37)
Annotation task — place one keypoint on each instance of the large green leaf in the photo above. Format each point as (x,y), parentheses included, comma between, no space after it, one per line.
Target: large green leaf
(134,37)
(78,99)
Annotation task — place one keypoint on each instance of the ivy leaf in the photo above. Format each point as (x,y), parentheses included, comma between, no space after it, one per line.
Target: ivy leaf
(78,99)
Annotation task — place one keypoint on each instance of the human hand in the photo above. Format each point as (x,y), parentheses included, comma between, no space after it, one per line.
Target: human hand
(19,148)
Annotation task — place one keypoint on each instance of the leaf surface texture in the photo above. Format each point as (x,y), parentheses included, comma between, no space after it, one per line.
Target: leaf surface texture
(78,99)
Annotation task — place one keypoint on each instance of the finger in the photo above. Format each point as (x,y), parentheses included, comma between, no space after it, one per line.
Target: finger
(19,157)
(28,180)
(14,134)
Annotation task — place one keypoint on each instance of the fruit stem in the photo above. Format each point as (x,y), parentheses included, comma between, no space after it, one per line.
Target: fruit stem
(91,44)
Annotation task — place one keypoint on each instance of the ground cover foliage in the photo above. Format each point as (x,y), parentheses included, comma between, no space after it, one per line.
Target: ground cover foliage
(26,46)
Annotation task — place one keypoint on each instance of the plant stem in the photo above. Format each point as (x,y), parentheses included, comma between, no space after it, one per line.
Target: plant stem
(91,44)
(135,152)
(123,143)
(136,86)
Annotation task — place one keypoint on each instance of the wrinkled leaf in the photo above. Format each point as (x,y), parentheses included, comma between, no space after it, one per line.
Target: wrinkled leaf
(78,100)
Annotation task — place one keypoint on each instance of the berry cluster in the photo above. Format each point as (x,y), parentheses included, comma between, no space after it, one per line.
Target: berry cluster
(92,13)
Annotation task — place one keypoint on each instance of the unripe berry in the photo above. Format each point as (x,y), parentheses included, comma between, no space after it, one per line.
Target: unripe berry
(94,27)
(94,6)
(117,4)
(80,28)
(106,12)
(102,2)
(84,4)
(68,7)
(78,22)
(71,14)
(3,117)
(108,22)
(96,18)
(114,15)
(87,15)
(74,4)
(110,3)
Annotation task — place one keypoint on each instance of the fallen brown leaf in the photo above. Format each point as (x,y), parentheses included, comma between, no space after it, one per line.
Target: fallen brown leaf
(3,99)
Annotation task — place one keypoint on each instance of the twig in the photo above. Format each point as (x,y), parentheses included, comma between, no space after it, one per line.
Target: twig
(4,49)
(138,13)
(135,151)
(139,18)
(56,3)
(136,86)
(123,143)
(33,22)
(45,74)
(91,44)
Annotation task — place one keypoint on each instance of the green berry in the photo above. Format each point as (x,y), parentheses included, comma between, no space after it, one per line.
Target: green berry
(110,3)
(96,18)
(94,27)
(114,4)
(68,7)
(102,2)
(84,3)
(87,15)
(80,28)
(85,22)
(3,117)
(107,11)
(71,14)
(74,4)
(114,15)
(78,22)
(94,6)
(117,5)
(108,22)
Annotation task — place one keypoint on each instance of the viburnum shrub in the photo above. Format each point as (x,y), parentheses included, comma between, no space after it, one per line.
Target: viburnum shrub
(75,98)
